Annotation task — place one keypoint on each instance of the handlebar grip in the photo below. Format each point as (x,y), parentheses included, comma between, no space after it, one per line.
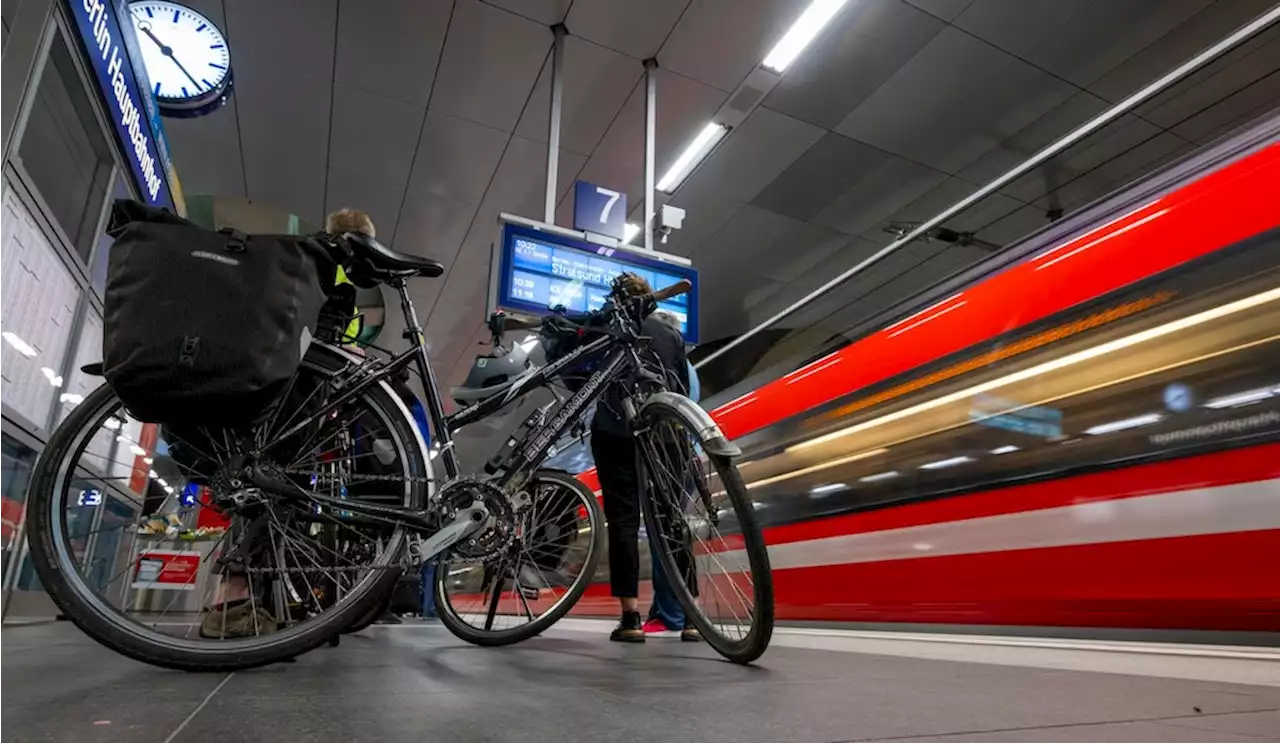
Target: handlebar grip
(683,286)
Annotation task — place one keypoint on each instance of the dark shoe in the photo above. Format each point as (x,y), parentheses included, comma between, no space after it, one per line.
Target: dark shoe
(690,634)
(630,629)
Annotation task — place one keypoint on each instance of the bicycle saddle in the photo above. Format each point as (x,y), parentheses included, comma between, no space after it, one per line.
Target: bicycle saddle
(381,258)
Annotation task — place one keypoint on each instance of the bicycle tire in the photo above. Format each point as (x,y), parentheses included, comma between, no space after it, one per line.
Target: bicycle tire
(756,641)
(373,614)
(89,615)
(451,619)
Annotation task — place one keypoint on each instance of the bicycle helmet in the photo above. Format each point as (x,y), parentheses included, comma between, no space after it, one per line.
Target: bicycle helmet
(492,373)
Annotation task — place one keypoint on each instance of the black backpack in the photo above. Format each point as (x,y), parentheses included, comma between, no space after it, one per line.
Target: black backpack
(206,328)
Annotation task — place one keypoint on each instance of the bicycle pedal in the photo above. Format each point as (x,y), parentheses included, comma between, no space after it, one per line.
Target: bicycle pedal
(529,593)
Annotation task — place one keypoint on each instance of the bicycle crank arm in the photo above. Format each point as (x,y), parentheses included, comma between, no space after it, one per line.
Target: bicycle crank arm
(468,521)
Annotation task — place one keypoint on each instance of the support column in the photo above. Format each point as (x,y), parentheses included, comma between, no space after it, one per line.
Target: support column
(553,123)
(650,140)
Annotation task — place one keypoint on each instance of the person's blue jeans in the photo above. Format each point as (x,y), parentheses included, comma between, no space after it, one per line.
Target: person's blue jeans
(666,604)
(429,590)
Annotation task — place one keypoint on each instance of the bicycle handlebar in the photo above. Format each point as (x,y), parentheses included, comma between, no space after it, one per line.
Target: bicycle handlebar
(683,286)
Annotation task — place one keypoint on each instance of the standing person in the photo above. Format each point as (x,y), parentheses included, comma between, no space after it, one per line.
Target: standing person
(614,451)
(666,614)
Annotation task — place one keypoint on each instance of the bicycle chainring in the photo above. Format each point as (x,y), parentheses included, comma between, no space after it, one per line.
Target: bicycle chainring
(497,534)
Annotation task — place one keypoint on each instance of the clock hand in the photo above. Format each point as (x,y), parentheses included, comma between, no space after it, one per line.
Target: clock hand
(166,50)
(184,69)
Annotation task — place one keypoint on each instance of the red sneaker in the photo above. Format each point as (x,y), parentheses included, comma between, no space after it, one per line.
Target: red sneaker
(655,626)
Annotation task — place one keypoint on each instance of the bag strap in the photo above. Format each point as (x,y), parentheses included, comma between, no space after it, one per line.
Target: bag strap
(236,240)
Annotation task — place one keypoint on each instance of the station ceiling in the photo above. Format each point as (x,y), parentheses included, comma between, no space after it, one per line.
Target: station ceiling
(431,115)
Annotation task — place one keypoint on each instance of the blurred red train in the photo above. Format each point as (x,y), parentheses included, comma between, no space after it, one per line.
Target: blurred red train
(1086,437)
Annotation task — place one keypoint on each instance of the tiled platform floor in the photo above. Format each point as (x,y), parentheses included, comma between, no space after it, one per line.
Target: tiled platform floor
(418,683)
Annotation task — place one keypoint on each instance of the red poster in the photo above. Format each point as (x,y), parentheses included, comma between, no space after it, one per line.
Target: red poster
(169,569)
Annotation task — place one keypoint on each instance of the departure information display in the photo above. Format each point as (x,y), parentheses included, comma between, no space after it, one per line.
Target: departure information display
(540,271)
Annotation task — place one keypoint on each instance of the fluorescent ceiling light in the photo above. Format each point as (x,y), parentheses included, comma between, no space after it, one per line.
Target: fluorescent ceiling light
(163,484)
(804,30)
(71,398)
(944,463)
(54,378)
(152,474)
(22,346)
(1061,362)
(1247,397)
(692,155)
(138,450)
(629,233)
(112,424)
(880,477)
(1006,449)
(1121,425)
(148,460)
(168,490)
(831,488)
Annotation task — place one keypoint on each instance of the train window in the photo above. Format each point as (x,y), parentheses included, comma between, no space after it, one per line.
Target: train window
(1183,363)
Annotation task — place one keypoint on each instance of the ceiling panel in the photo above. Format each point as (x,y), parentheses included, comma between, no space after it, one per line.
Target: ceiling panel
(824,172)
(433,226)
(546,12)
(1229,77)
(1119,171)
(456,158)
(942,196)
(954,101)
(1110,142)
(520,181)
(289,40)
(208,150)
(718,42)
(877,192)
(1037,135)
(491,60)
(1012,227)
(1076,40)
(862,49)
(597,82)
(633,28)
(372,138)
(391,46)
(1258,100)
(761,148)
(1180,44)
(706,211)
(684,107)
(943,9)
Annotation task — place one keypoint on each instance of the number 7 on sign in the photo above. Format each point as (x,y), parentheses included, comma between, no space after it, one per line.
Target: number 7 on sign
(611,199)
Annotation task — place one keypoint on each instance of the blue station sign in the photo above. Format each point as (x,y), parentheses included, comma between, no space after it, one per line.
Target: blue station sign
(600,210)
(136,121)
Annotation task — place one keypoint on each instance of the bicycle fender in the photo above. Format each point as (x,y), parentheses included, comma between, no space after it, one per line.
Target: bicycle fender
(714,439)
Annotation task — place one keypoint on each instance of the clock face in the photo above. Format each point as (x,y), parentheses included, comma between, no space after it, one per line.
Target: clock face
(186,56)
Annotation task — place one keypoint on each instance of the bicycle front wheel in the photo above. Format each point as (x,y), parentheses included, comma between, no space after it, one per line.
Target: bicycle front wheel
(704,530)
(522,590)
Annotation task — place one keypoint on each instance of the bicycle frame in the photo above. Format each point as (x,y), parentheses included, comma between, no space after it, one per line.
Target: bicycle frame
(531,449)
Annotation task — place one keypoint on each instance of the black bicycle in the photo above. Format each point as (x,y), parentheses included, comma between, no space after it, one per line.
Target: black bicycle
(332,495)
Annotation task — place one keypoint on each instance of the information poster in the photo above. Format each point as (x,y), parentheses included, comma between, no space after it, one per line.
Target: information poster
(167,569)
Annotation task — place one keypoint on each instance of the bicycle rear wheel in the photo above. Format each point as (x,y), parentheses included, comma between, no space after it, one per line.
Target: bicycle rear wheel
(704,529)
(519,592)
(291,573)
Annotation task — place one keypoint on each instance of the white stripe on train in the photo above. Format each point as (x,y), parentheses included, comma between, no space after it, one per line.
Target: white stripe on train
(1250,506)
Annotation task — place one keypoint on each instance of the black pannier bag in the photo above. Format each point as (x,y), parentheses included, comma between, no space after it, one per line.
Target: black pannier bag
(206,328)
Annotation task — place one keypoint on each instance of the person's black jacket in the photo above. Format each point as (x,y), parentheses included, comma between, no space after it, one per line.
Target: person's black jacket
(666,346)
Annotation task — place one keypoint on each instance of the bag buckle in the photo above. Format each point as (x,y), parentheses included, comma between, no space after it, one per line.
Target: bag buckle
(236,240)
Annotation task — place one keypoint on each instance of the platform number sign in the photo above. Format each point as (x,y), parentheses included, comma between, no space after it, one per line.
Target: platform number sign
(600,210)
